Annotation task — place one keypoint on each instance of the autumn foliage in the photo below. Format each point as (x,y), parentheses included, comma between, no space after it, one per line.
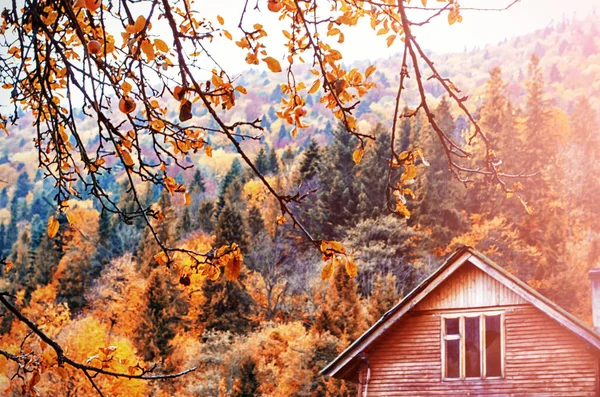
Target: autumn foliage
(181,230)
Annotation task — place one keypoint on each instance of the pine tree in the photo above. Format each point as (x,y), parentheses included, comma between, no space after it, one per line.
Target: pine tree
(384,295)
(288,157)
(261,162)
(228,305)
(3,198)
(206,216)
(197,186)
(311,161)
(371,179)
(105,250)
(230,228)
(162,316)
(341,313)
(23,274)
(234,173)
(23,186)
(166,230)
(273,162)
(256,224)
(538,140)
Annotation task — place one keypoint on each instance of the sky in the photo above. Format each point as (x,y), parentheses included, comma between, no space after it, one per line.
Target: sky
(477,29)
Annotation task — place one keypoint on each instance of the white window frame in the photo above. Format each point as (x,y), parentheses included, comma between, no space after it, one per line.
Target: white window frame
(482,343)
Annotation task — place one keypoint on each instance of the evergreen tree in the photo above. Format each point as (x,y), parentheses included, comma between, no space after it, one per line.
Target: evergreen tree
(206,216)
(538,143)
(311,161)
(273,162)
(234,173)
(228,305)
(262,162)
(161,318)
(384,295)
(105,250)
(230,228)
(256,224)
(197,186)
(50,252)
(166,231)
(288,157)
(340,297)
(2,237)
(22,275)
(438,201)
(23,186)
(3,198)
(371,179)
(337,195)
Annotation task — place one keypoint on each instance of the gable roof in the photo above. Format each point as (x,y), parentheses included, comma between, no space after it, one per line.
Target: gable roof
(342,366)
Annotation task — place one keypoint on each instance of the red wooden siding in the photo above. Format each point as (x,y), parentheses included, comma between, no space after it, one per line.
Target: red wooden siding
(469,287)
(542,359)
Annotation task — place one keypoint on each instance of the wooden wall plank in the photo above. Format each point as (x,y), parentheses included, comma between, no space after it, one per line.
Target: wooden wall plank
(469,287)
(542,359)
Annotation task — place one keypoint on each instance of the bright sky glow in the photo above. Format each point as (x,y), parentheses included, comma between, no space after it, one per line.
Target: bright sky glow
(477,29)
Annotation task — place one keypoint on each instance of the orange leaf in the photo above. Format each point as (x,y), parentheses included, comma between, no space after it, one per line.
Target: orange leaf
(52,227)
(7,266)
(161,45)
(161,258)
(280,220)
(127,159)
(187,198)
(273,64)
(351,268)
(357,155)
(220,19)
(233,268)
(327,271)
(391,39)
(315,87)
(370,70)
(208,150)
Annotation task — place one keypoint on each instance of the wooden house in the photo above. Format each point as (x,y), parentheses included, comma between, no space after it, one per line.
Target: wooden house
(473,329)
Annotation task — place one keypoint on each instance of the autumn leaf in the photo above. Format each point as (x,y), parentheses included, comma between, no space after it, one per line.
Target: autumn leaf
(315,86)
(161,45)
(273,64)
(187,198)
(351,268)
(220,19)
(52,227)
(7,266)
(327,271)
(332,246)
(390,40)
(208,150)
(370,70)
(161,258)
(357,155)
(280,220)
(234,266)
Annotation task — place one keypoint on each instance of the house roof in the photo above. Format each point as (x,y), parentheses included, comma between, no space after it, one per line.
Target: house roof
(343,365)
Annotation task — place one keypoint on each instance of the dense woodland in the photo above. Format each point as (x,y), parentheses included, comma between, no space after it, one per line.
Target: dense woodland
(103,295)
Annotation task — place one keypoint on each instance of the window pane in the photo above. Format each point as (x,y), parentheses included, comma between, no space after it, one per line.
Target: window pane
(453,358)
(452,326)
(493,348)
(472,347)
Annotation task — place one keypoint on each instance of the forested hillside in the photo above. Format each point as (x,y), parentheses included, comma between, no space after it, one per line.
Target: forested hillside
(100,289)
